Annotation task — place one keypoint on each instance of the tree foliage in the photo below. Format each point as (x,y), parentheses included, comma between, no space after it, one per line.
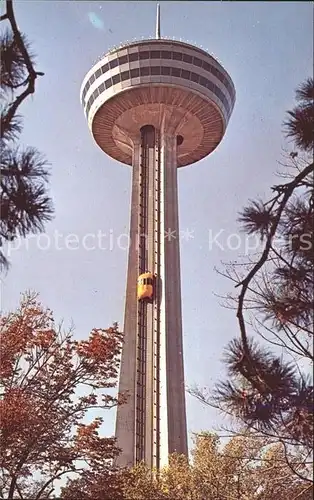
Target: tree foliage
(49,382)
(245,468)
(269,387)
(24,203)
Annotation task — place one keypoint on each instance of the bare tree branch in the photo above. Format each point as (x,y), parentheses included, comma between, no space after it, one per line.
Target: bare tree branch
(287,190)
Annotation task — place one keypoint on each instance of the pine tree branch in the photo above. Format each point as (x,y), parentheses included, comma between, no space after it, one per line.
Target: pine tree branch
(32,74)
(302,350)
(19,39)
(287,191)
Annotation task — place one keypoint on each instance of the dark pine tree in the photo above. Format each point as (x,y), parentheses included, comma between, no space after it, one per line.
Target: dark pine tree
(299,125)
(266,390)
(269,388)
(24,203)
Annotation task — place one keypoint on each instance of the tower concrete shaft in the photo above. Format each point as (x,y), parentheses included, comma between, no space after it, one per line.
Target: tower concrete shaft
(152,423)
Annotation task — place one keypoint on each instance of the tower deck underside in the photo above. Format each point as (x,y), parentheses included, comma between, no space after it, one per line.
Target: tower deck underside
(152,424)
(201,124)
(144,77)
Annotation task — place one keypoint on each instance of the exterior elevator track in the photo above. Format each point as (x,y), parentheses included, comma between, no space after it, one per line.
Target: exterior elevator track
(148,313)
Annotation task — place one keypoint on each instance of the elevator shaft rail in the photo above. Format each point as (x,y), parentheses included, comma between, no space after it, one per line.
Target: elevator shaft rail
(148,313)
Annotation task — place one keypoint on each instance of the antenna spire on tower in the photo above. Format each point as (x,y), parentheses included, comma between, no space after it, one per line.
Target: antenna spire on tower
(158,22)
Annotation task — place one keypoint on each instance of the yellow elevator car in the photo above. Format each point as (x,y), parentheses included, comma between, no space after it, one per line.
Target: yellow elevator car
(145,286)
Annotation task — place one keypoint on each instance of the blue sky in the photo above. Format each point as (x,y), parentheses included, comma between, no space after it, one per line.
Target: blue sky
(267,49)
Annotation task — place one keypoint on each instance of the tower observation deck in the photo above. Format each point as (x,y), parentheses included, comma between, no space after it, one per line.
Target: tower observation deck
(156,105)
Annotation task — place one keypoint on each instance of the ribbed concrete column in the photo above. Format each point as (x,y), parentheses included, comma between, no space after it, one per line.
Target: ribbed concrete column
(171,302)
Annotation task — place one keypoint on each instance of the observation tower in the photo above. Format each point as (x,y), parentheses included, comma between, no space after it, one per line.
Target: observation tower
(156,105)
